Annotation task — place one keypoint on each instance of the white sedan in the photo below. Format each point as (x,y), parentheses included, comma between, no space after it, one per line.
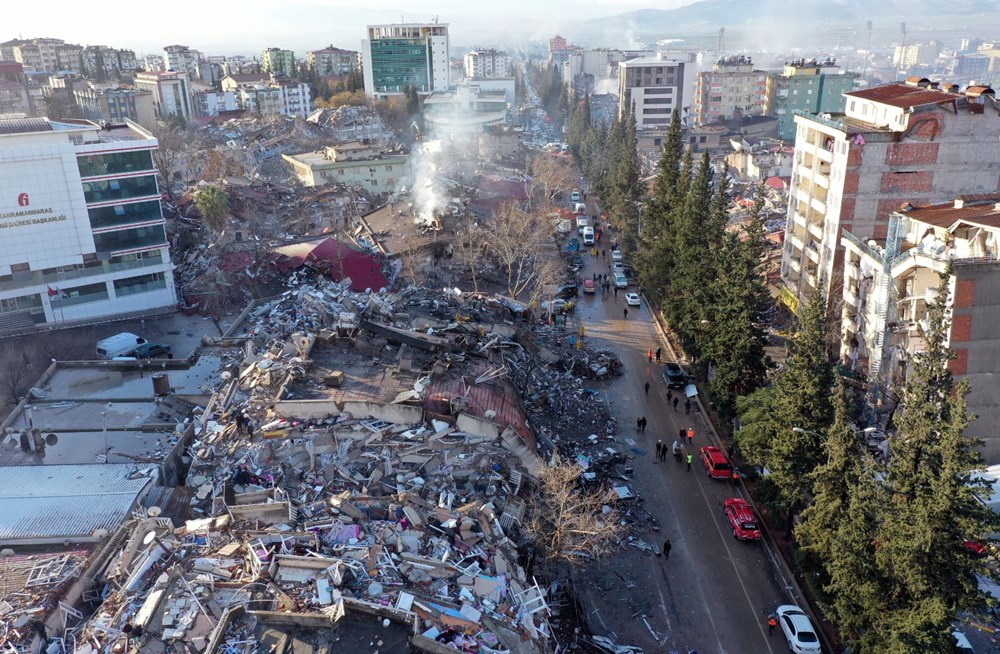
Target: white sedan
(632,299)
(801,635)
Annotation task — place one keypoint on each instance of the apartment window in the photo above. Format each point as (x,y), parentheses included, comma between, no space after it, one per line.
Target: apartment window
(123,214)
(94,165)
(139,284)
(83,294)
(657,100)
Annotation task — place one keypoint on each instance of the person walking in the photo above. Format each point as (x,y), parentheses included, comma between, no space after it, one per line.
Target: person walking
(677,452)
(675,404)
(638,425)
(659,350)
(659,450)
(583,332)
(670,395)
(666,549)
(690,435)
(687,406)
(642,429)
(649,355)
(689,459)
(772,622)
(604,254)
(647,388)
(735,477)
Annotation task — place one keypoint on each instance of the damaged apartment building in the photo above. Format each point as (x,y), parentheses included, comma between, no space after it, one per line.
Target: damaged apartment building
(343,470)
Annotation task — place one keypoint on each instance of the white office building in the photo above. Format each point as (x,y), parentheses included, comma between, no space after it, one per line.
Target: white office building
(653,87)
(409,54)
(81,232)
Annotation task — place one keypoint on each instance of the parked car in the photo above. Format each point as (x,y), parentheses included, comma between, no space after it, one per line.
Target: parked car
(618,267)
(589,286)
(576,262)
(798,630)
(962,644)
(153,351)
(588,235)
(675,376)
(616,256)
(632,299)
(573,245)
(575,195)
(620,280)
(741,518)
(716,464)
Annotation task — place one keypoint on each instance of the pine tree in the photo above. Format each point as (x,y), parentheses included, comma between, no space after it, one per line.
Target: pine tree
(626,187)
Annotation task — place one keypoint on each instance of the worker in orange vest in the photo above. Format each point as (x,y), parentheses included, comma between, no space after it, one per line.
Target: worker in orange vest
(772,622)
(690,435)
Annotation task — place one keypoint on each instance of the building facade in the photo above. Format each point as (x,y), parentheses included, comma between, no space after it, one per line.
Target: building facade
(894,143)
(806,86)
(331,61)
(211,103)
(354,164)
(916,54)
(487,64)
(181,58)
(732,89)
(170,90)
(653,87)
(411,54)
(888,284)
(115,105)
(278,62)
(14,97)
(83,235)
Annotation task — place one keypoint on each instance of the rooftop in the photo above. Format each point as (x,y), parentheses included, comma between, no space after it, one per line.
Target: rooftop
(905,96)
(24,125)
(978,209)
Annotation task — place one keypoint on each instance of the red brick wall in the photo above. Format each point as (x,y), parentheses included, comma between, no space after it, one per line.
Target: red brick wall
(908,183)
(960,364)
(903,154)
(847,211)
(854,155)
(851,182)
(961,329)
(879,231)
(965,293)
(886,207)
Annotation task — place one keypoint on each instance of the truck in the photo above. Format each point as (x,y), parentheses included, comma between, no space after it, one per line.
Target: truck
(119,345)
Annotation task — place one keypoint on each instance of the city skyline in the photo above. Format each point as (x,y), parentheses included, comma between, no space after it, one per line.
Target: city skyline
(299,25)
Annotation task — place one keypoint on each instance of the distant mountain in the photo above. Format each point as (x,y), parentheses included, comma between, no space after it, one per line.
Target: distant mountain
(807,15)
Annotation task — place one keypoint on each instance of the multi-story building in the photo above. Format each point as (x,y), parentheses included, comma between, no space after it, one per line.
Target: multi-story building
(126,60)
(972,67)
(732,89)
(278,62)
(153,63)
(69,58)
(233,82)
(465,110)
(915,54)
(37,55)
(181,58)
(171,92)
(14,98)
(487,64)
(807,86)
(597,64)
(296,98)
(262,95)
(888,283)
(211,103)
(116,105)
(653,87)
(894,143)
(331,61)
(354,164)
(83,235)
(409,54)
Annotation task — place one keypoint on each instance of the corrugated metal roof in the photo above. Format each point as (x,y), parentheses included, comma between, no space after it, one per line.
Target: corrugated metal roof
(979,209)
(24,125)
(904,95)
(65,501)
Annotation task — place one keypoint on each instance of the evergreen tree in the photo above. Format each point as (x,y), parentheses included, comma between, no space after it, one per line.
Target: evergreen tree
(626,187)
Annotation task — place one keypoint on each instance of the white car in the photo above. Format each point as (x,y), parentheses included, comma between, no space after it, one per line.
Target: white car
(799,632)
(632,299)
(616,255)
(620,280)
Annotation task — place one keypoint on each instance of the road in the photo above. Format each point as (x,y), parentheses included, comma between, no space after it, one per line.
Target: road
(715,592)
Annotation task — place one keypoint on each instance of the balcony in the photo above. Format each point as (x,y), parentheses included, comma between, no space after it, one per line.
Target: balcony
(812,252)
(816,230)
(824,155)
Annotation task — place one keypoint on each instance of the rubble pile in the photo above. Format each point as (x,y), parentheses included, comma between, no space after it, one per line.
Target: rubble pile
(345,124)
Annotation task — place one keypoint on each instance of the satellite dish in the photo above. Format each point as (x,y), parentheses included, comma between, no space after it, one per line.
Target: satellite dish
(149,538)
(51,439)
(154,511)
(101,534)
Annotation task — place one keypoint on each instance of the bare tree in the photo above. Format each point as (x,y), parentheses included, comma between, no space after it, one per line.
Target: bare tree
(515,243)
(568,521)
(173,142)
(468,244)
(18,372)
(552,174)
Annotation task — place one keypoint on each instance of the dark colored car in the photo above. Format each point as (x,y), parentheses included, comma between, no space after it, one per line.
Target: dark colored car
(153,351)
(674,376)
(577,261)
(567,291)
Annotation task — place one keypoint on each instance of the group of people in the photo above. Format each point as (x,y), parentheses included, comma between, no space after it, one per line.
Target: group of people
(674,400)
(681,453)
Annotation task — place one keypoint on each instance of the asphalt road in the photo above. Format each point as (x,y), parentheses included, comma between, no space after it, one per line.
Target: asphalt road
(715,592)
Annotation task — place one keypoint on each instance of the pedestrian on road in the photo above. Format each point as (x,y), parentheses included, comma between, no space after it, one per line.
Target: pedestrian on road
(735,476)
(682,433)
(670,396)
(649,355)
(687,406)
(675,404)
(659,449)
(772,622)
(626,308)
(604,254)
(689,458)
(690,434)
(659,350)
(583,332)
(647,388)
(664,453)
(638,425)
(642,427)
(666,549)
(677,452)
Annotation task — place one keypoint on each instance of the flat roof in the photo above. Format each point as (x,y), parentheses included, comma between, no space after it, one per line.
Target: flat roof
(24,125)
(69,501)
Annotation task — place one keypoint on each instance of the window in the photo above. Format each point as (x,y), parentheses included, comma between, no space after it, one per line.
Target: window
(123,214)
(94,165)
(119,189)
(139,284)
(83,294)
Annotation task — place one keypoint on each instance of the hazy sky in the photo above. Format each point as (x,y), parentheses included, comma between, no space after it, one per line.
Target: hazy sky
(247,26)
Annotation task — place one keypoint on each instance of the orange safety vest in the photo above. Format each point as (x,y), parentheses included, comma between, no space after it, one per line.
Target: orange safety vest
(771,622)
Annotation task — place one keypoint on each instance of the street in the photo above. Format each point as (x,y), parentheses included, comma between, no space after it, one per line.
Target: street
(715,592)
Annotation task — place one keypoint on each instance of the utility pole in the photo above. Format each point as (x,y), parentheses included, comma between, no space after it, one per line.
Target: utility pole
(868,45)
(902,50)
(722,32)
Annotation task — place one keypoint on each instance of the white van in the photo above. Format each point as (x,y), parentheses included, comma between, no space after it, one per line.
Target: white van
(588,235)
(119,345)
(582,223)
(579,207)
